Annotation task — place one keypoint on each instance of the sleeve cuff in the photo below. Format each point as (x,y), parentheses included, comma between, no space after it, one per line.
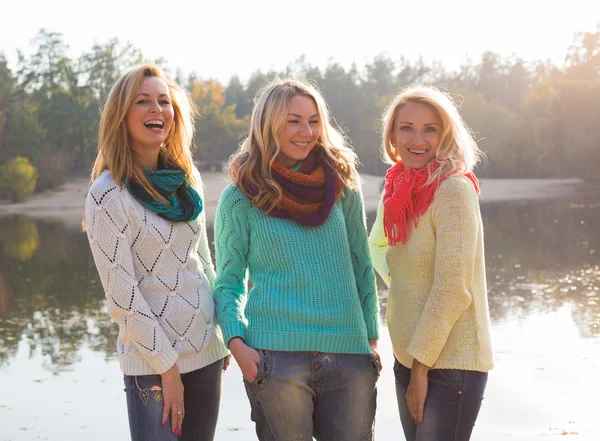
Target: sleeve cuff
(163,361)
(372,329)
(427,359)
(233,330)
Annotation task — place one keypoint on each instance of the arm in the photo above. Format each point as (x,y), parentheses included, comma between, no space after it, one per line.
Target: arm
(109,233)
(356,227)
(456,226)
(232,238)
(378,245)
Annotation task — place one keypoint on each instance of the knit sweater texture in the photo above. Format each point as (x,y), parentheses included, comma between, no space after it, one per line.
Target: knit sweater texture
(157,276)
(313,288)
(437,307)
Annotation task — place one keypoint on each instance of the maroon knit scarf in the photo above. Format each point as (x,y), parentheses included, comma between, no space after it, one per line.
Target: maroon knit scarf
(407,198)
(308,194)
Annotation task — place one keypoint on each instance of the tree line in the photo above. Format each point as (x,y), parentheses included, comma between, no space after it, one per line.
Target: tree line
(531,118)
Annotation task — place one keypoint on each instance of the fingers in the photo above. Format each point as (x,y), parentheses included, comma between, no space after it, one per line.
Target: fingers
(416,406)
(250,372)
(420,407)
(377,359)
(177,413)
(165,415)
(226,362)
(255,357)
(411,409)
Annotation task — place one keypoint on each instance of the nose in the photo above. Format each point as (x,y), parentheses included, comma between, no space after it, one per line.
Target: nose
(306,130)
(418,138)
(155,108)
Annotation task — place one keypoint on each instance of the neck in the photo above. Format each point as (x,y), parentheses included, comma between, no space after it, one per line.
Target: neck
(146,157)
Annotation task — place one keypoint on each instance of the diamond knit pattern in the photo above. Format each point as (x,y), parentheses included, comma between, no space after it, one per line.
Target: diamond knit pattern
(157,276)
(313,288)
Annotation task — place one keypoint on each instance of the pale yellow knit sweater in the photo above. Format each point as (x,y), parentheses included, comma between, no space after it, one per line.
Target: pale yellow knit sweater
(437,308)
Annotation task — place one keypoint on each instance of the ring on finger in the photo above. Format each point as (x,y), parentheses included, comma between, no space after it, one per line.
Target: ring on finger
(179,412)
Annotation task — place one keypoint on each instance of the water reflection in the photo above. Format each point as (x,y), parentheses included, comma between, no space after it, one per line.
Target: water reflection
(49,295)
(541,257)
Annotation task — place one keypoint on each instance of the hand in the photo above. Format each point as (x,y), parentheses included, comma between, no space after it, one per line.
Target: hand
(246,358)
(173,395)
(226,362)
(375,352)
(417,390)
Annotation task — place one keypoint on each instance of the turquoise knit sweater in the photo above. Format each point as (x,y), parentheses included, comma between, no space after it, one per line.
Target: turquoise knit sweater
(313,288)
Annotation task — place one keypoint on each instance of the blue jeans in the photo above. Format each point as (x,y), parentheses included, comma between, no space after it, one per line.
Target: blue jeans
(453,402)
(201,395)
(298,395)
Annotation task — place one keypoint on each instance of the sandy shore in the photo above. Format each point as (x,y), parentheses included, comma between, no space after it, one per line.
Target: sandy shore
(67,203)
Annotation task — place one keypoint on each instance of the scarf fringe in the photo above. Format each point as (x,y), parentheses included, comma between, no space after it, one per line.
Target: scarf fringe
(406,198)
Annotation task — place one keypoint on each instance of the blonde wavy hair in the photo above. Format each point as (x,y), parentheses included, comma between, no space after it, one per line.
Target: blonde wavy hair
(457,149)
(252,163)
(114,147)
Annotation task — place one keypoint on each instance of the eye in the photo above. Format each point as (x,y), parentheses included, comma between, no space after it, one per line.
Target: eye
(406,128)
(293,121)
(314,122)
(165,102)
(142,101)
(431,129)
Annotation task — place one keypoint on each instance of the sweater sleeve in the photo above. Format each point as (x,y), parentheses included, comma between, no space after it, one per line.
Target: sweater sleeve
(378,245)
(232,238)
(455,219)
(203,248)
(356,226)
(109,234)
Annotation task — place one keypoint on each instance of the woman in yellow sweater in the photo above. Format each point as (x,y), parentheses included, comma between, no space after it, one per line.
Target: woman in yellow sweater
(427,244)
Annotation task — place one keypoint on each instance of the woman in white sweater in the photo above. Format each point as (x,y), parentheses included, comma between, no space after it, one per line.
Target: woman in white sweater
(147,232)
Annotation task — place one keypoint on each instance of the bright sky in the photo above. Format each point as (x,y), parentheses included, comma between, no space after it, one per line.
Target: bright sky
(217,39)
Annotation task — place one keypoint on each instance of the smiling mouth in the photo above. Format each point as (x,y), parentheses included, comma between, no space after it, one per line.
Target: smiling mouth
(300,144)
(417,152)
(155,124)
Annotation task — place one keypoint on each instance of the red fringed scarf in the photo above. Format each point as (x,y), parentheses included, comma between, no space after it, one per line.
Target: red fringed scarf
(407,198)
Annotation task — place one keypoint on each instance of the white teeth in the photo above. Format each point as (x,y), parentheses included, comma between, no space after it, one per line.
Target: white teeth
(156,122)
(417,152)
(301,144)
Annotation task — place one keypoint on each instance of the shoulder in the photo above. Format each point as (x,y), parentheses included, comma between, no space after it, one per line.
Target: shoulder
(455,195)
(456,187)
(103,189)
(233,199)
(351,195)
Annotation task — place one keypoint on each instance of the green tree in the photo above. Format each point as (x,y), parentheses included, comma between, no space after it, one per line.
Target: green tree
(218,129)
(17,178)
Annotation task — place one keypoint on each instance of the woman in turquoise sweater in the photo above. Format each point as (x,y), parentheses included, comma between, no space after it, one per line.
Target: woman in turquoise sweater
(305,335)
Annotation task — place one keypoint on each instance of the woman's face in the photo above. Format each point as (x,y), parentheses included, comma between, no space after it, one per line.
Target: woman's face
(301,131)
(150,117)
(416,134)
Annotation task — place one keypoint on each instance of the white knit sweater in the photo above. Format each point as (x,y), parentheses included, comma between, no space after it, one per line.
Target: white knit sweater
(157,276)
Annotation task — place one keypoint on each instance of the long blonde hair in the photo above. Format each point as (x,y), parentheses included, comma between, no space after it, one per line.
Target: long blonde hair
(457,149)
(252,163)
(114,148)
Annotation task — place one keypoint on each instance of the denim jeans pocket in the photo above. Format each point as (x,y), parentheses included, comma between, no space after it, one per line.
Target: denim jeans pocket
(145,387)
(451,378)
(263,373)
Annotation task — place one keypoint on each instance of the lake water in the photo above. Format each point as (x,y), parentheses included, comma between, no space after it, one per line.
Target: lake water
(60,380)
